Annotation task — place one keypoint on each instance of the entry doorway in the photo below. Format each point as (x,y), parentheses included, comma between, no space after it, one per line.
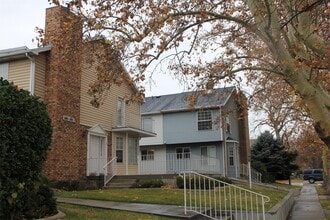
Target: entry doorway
(97,152)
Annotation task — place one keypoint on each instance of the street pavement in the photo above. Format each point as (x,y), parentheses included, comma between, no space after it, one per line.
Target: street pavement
(307,205)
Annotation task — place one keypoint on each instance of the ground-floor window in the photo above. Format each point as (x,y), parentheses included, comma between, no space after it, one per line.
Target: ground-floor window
(231,156)
(132,150)
(147,154)
(119,149)
(183,152)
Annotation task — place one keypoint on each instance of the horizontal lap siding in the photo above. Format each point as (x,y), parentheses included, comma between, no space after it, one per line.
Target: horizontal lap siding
(40,70)
(106,114)
(19,73)
(90,115)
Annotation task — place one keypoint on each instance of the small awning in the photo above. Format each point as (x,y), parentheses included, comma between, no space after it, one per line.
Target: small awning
(133,131)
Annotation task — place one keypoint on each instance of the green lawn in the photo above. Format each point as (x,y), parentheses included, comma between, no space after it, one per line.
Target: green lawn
(75,212)
(325,203)
(162,196)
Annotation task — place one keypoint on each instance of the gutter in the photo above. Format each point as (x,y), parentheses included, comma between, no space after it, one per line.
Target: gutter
(32,72)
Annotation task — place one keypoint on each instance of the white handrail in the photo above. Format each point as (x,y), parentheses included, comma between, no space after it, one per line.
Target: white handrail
(255,175)
(109,170)
(219,200)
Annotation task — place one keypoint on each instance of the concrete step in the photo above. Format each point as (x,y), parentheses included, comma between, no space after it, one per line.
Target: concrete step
(118,182)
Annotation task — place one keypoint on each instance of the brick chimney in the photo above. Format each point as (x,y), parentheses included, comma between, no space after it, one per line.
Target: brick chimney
(63,75)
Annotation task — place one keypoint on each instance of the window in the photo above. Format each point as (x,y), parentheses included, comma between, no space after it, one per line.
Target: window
(132,150)
(147,154)
(147,124)
(183,152)
(4,71)
(228,129)
(204,120)
(231,156)
(121,112)
(119,149)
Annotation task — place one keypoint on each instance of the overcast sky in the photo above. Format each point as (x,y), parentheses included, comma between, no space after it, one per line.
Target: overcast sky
(18,19)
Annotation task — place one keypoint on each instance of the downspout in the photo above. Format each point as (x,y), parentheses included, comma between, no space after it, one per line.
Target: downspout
(32,73)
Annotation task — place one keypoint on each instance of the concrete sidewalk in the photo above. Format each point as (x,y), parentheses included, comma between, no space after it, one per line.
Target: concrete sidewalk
(163,210)
(307,205)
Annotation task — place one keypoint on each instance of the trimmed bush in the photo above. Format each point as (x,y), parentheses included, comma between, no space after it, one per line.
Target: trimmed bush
(148,183)
(25,135)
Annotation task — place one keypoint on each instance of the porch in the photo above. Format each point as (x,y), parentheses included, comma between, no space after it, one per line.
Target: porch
(174,163)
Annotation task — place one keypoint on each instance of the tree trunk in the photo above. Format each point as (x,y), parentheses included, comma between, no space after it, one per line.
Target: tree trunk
(319,106)
(326,169)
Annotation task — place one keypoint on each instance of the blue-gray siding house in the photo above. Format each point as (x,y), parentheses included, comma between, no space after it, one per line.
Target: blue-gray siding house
(209,137)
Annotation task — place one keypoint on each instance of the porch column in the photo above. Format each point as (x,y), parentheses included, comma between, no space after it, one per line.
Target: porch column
(126,152)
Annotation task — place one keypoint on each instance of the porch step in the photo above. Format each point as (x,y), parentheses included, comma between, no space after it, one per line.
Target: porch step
(121,182)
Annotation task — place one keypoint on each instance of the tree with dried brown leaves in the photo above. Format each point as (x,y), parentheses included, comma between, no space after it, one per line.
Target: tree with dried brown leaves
(208,41)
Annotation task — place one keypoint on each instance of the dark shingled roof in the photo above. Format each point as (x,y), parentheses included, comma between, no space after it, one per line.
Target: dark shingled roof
(179,102)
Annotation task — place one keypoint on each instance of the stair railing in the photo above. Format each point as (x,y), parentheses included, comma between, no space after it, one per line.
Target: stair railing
(256,176)
(216,199)
(110,170)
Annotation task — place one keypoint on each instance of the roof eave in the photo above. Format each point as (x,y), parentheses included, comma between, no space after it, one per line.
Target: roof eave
(21,52)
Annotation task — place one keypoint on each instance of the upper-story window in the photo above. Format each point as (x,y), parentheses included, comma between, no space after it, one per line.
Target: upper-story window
(204,120)
(148,124)
(228,127)
(121,112)
(4,71)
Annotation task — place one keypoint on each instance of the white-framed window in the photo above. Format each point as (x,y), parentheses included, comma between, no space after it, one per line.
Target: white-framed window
(183,152)
(132,150)
(204,120)
(119,149)
(148,124)
(147,154)
(228,126)
(4,71)
(121,112)
(231,156)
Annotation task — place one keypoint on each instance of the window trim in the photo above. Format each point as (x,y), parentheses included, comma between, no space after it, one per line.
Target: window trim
(228,125)
(147,118)
(205,120)
(4,71)
(120,112)
(132,158)
(148,155)
(120,150)
(231,156)
(184,154)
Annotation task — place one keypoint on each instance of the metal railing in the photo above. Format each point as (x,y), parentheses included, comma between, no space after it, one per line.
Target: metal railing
(255,175)
(176,163)
(219,200)
(109,170)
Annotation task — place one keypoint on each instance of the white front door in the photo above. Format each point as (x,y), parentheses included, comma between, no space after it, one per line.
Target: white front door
(97,155)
